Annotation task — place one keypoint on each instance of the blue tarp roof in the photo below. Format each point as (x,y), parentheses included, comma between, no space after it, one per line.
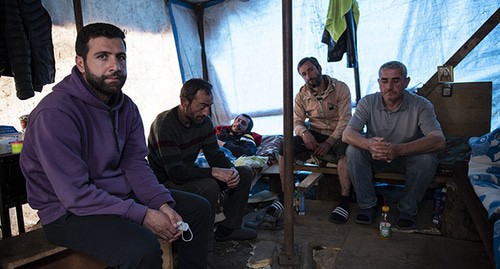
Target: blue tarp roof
(243,42)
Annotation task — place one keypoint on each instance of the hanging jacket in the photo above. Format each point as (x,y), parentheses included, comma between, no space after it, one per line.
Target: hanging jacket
(340,31)
(26,50)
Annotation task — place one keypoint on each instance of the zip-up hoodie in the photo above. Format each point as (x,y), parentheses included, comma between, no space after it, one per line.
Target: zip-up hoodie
(329,116)
(82,156)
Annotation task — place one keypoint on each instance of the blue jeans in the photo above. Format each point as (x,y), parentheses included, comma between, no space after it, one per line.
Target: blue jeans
(418,170)
(122,243)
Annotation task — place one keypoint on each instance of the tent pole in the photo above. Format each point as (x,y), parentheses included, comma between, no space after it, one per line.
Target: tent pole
(199,11)
(288,125)
(287,256)
(356,84)
(77,8)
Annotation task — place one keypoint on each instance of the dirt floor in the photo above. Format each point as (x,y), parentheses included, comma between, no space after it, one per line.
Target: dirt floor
(352,245)
(349,245)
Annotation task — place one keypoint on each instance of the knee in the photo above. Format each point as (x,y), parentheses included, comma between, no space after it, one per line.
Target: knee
(203,207)
(246,174)
(424,160)
(211,191)
(146,252)
(353,154)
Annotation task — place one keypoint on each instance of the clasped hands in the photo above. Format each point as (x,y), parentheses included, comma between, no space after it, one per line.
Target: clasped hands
(229,175)
(381,150)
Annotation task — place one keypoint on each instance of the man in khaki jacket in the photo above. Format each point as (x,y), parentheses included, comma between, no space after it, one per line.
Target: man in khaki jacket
(321,113)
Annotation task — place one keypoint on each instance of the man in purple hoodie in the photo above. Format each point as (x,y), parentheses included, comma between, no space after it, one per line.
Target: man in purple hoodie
(84,160)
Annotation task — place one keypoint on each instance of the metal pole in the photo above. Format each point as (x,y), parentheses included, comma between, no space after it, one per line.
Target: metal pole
(199,11)
(356,84)
(287,256)
(77,8)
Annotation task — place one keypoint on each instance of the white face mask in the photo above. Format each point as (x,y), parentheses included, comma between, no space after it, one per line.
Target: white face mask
(184,227)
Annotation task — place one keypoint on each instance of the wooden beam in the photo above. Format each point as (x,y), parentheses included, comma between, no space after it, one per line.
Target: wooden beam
(463,51)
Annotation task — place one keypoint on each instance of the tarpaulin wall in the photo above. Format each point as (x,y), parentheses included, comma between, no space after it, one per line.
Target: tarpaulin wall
(244,48)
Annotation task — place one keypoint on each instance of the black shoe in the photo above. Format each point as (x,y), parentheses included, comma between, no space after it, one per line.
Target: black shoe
(239,234)
(367,216)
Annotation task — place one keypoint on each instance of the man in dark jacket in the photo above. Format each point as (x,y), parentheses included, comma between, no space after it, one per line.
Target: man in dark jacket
(176,138)
(238,137)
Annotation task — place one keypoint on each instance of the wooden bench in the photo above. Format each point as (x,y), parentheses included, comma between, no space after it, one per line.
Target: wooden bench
(476,209)
(388,177)
(318,171)
(33,250)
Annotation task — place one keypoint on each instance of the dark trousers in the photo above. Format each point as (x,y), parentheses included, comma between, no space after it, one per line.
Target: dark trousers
(302,153)
(210,188)
(122,243)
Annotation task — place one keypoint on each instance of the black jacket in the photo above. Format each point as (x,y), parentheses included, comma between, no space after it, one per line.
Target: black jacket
(26,50)
(239,145)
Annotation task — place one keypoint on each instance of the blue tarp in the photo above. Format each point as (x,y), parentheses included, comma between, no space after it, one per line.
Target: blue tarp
(244,48)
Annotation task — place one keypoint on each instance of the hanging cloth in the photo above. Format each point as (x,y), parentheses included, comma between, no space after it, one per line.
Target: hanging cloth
(340,31)
(26,49)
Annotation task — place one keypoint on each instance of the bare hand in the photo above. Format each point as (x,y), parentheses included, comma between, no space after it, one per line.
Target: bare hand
(221,143)
(228,175)
(380,149)
(309,141)
(322,149)
(162,225)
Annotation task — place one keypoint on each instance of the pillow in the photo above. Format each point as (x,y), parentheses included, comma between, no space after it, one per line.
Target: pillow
(270,147)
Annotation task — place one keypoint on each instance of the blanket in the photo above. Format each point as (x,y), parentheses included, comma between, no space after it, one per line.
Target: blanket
(484,175)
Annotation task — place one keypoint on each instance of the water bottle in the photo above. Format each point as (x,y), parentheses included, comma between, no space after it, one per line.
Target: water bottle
(385,225)
(439,200)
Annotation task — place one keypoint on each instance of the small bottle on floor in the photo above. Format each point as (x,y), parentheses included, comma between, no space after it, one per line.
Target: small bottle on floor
(385,225)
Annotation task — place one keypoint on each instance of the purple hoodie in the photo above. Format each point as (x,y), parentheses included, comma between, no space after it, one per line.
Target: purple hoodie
(82,156)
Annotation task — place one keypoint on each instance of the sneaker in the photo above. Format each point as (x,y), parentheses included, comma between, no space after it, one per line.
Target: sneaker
(266,222)
(240,234)
(276,209)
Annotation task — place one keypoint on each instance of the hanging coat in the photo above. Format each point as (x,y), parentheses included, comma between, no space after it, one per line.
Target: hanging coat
(26,49)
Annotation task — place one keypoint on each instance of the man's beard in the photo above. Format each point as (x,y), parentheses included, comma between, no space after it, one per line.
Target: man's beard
(315,82)
(191,117)
(235,130)
(101,87)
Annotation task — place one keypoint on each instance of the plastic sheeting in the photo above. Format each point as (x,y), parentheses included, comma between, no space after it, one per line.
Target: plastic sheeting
(244,48)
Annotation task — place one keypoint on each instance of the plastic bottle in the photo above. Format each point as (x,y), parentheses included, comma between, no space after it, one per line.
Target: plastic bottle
(299,200)
(385,225)
(439,202)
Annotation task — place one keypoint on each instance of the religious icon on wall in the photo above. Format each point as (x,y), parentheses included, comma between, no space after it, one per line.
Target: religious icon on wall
(445,73)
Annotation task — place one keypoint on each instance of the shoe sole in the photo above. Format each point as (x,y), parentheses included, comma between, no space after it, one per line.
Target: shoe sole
(254,224)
